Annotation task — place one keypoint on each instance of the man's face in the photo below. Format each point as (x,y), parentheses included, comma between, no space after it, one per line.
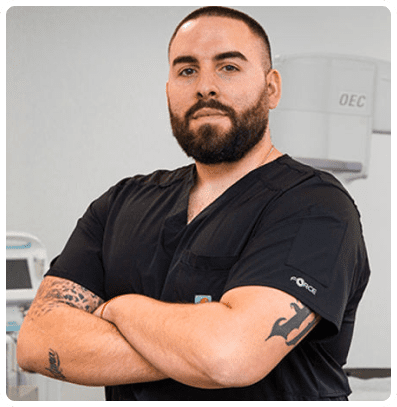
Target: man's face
(217,94)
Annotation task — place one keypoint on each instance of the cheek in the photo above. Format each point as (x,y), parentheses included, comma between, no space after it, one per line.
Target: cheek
(177,102)
(243,97)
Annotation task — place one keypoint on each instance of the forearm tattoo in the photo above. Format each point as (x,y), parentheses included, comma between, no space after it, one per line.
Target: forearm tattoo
(55,363)
(284,330)
(54,293)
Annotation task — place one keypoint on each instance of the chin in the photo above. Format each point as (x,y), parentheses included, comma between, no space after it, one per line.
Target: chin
(219,129)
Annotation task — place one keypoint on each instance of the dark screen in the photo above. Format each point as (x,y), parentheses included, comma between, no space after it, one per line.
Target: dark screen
(18,276)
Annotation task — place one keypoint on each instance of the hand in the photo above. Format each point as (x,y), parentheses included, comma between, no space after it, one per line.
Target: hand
(99,310)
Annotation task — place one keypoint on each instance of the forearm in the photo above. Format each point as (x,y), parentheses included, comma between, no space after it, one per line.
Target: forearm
(72,345)
(182,340)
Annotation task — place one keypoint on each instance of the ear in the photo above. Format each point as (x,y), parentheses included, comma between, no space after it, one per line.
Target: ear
(273,80)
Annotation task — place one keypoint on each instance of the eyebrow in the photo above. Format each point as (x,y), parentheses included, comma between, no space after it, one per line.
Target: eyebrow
(183,59)
(230,54)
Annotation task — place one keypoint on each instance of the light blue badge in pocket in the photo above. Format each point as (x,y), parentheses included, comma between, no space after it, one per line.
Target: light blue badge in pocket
(200,299)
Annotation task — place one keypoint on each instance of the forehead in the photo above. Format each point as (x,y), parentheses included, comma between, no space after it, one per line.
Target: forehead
(207,36)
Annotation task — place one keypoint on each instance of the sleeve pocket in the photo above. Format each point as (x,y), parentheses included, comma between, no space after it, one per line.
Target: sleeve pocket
(316,246)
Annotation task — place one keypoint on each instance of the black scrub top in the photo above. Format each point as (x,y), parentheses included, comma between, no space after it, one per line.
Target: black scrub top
(284,225)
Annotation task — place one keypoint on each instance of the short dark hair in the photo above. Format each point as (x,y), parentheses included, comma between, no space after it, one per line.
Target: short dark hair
(217,11)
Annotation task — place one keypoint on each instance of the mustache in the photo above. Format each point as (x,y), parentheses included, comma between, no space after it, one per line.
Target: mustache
(212,104)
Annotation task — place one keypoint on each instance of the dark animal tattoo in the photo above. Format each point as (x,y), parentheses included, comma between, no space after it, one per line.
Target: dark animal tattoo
(295,322)
(55,293)
(54,368)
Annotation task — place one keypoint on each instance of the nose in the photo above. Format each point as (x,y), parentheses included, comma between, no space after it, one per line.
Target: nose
(207,87)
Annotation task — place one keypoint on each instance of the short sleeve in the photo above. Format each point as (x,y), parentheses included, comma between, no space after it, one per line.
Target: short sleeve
(81,259)
(305,245)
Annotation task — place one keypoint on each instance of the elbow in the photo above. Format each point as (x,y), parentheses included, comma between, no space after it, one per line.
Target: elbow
(236,369)
(22,354)
(22,357)
(25,350)
(229,375)
(23,361)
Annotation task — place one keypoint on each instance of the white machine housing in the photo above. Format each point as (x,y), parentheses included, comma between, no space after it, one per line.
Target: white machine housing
(26,260)
(330,107)
(26,263)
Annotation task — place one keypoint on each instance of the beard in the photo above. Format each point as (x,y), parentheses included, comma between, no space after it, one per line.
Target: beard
(210,145)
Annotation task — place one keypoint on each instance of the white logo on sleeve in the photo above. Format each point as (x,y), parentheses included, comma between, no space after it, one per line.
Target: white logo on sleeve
(300,282)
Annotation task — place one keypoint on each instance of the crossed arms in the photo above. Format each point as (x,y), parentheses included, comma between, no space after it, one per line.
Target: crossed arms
(139,339)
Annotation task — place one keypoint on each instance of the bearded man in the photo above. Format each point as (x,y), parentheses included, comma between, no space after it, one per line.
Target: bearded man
(234,278)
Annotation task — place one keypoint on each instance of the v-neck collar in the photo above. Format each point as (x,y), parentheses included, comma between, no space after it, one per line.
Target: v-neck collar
(238,187)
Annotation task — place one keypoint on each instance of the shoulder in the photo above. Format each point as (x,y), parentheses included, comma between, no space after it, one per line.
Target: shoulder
(302,188)
(130,185)
(163,178)
(159,179)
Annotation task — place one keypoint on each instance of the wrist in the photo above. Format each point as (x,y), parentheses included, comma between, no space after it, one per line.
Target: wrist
(106,312)
(117,307)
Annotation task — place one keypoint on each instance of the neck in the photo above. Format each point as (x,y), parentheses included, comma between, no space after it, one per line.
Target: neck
(223,175)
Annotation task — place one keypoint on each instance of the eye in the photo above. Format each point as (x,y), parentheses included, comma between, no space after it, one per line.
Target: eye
(230,68)
(187,72)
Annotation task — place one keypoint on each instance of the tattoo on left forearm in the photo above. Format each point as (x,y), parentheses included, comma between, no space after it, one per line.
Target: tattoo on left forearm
(293,323)
(54,368)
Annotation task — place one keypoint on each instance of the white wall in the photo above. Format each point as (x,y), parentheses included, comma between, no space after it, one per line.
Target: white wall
(86,107)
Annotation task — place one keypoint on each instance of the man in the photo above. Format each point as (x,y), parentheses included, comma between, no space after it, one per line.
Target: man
(235,278)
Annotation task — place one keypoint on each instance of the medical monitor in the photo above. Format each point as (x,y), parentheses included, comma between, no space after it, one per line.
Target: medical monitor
(18,276)
(26,263)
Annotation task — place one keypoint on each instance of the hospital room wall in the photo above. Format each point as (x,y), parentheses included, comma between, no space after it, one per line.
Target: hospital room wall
(86,107)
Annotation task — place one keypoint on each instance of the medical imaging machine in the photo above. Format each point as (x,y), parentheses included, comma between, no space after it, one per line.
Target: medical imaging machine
(26,264)
(329,109)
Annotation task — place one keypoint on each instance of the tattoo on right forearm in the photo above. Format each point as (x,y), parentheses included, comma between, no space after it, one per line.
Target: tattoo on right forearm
(54,368)
(55,293)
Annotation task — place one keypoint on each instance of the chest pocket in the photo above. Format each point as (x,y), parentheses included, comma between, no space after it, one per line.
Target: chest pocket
(195,275)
